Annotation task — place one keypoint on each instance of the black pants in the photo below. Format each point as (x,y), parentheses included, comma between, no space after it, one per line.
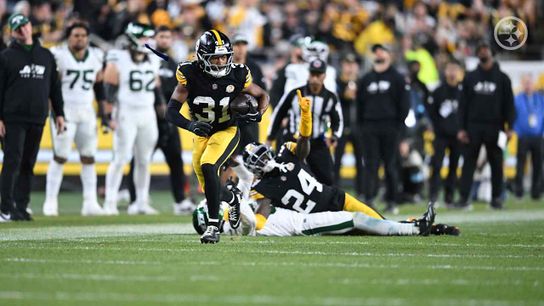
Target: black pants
(440,144)
(357,151)
(380,143)
(170,146)
(531,145)
(21,145)
(320,161)
(249,132)
(479,135)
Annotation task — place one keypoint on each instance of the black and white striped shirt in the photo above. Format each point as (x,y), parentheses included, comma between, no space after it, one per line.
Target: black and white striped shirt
(326,110)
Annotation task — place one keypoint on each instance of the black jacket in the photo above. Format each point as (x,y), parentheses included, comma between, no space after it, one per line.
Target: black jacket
(383,98)
(28,78)
(443,109)
(487,98)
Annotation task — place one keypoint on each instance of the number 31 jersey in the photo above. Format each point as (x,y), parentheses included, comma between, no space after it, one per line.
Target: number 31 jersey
(78,76)
(209,97)
(136,80)
(294,187)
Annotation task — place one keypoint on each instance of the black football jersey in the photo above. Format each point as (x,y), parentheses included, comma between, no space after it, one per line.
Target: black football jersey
(294,187)
(209,97)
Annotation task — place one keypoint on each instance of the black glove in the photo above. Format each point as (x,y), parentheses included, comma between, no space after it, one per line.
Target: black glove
(199,128)
(254,115)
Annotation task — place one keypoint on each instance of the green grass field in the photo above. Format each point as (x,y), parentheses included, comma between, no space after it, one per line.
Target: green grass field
(155,260)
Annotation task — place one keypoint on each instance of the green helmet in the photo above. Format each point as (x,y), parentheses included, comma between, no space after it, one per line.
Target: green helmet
(134,32)
(200,216)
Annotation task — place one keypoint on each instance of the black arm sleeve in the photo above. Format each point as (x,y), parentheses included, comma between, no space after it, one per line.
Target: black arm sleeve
(110,91)
(55,93)
(360,101)
(99,92)
(508,108)
(337,118)
(431,106)
(463,105)
(403,100)
(279,113)
(173,115)
(2,87)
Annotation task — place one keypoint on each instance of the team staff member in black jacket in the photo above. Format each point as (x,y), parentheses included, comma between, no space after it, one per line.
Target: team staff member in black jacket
(442,107)
(486,108)
(326,109)
(382,105)
(28,79)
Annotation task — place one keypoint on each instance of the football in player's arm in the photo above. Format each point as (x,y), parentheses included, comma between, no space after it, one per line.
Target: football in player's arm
(208,85)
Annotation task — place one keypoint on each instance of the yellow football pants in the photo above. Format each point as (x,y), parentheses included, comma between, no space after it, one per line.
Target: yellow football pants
(353,205)
(214,150)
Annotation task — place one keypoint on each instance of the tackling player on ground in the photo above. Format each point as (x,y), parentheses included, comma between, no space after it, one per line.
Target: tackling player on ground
(208,85)
(80,69)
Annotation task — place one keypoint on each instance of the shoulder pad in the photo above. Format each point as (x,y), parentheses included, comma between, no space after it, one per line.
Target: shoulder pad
(114,55)
(183,72)
(242,72)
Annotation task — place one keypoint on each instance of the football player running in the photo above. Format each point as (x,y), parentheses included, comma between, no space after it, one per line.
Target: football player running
(80,68)
(208,85)
(132,85)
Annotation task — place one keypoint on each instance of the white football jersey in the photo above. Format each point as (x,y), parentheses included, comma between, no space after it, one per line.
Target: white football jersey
(78,76)
(297,75)
(136,80)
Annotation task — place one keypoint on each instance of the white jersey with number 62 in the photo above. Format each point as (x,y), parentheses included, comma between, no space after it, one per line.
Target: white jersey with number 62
(136,80)
(78,76)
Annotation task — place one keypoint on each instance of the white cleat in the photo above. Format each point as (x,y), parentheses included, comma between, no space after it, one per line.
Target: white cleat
(92,209)
(146,209)
(110,209)
(50,208)
(184,208)
(133,209)
(141,209)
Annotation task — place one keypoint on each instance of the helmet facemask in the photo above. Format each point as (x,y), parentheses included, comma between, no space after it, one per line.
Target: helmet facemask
(215,70)
(257,157)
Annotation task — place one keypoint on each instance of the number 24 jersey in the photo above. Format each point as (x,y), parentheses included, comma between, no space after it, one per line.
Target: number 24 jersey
(209,97)
(294,187)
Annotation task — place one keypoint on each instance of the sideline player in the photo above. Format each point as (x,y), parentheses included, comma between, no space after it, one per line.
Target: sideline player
(80,69)
(132,82)
(208,84)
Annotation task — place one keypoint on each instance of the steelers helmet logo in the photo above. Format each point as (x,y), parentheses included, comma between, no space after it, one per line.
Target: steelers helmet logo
(230,88)
(511,33)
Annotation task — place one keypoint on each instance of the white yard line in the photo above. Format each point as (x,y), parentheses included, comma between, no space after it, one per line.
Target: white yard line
(262,263)
(97,231)
(244,299)
(280,252)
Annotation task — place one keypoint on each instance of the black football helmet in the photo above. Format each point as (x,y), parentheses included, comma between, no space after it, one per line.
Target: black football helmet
(214,43)
(256,156)
(138,34)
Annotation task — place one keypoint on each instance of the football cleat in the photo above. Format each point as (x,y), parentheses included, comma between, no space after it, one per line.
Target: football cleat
(211,235)
(4,217)
(234,204)
(110,209)
(185,207)
(50,208)
(426,221)
(92,209)
(444,229)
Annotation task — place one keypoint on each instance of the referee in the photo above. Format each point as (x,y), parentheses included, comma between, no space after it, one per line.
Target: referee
(327,113)
(28,79)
